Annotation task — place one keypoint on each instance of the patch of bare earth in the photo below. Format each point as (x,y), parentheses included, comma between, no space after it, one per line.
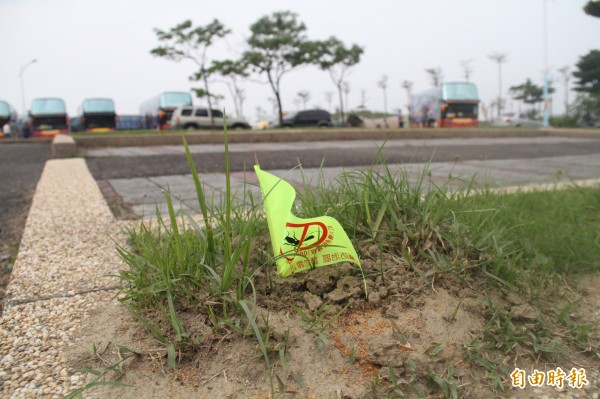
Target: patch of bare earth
(414,334)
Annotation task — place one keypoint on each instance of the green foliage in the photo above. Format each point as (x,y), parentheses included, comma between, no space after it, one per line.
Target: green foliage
(586,110)
(277,44)
(544,231)
(529,92)
(179,264)
(184,41)
(563,121)
(333,56)
(592,7)
(588,73)
(109,375)
(516,240)
(229,68)
(435,74)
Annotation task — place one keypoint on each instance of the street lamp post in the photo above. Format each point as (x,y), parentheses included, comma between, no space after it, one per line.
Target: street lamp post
(22,84)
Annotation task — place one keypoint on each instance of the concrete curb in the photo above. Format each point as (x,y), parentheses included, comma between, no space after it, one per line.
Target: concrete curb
(295,135)
(63,146)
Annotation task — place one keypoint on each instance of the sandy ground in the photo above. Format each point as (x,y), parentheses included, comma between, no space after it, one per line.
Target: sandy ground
(65,325)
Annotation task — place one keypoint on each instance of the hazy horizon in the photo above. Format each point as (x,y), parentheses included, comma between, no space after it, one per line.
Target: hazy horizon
(102,49)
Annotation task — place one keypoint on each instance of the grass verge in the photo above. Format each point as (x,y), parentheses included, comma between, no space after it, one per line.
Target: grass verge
(522,244)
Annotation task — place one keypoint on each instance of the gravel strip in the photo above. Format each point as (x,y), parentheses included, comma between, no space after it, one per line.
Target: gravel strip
(59,277)
(66,246)
(33,339)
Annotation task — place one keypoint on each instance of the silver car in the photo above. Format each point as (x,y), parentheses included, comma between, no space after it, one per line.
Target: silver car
(516,120)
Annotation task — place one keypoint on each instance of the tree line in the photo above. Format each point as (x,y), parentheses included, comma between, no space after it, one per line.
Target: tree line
(277,44)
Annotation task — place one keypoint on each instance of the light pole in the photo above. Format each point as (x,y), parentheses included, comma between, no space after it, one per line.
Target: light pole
(23,86)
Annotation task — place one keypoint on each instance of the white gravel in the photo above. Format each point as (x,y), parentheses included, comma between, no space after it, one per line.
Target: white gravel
(66,252)
(66,246)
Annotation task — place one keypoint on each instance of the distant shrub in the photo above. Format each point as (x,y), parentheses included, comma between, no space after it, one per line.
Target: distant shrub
(563,121)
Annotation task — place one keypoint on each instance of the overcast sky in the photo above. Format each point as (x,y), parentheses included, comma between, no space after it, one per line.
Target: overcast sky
(102,48)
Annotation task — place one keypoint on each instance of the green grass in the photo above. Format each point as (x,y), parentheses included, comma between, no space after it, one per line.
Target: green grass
(179,263)
(549,231)
(180,267)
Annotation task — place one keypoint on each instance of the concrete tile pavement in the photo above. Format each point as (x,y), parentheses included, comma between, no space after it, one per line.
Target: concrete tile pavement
(144,194)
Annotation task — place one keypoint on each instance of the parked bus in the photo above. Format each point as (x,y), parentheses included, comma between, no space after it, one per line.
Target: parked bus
(449,105)
(48,117)
(129,122)
(156,112)
(95,115)
(7,115)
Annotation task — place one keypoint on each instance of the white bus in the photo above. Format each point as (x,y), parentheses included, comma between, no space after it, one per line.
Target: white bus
(448,105)
(156,112)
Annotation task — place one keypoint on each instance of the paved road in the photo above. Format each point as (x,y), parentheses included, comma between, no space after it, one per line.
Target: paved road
(138,175)
(168,160)
(21,166)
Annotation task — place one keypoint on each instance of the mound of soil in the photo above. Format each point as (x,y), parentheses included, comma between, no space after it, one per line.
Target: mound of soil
(418,334)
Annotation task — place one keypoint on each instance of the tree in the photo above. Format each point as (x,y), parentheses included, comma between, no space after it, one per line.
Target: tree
(467,68)
(407,85)
(566,77)
(592,8)
(500,58)
(232,71)
(346,89)
(382,83)
(304,96)
(586,110)
(588,73)
(333,56)
(529,93)
(363,99)
(587,104)
(183,41)
(277,45)
(329,98)
(435,74)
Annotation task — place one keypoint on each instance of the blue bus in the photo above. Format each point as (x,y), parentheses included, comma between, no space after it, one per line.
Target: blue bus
(48,117)
(156,112)
(448,105)
(95,115)
(129,122)
(7,115)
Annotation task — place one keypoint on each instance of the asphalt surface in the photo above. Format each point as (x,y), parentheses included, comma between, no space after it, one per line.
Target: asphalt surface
(21,166)
(134,179)
(333,154)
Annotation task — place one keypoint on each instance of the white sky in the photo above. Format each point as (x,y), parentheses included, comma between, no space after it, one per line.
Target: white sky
(102,48)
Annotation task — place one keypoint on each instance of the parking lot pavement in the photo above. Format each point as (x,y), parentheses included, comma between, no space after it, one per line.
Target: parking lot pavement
(324,145)
(146,193)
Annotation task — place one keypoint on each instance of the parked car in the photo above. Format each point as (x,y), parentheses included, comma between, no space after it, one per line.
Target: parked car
(306,118)
(193,117)
(267,122)
(516,120)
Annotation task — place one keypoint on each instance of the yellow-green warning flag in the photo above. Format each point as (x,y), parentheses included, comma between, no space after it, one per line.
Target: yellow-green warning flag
(300,244)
